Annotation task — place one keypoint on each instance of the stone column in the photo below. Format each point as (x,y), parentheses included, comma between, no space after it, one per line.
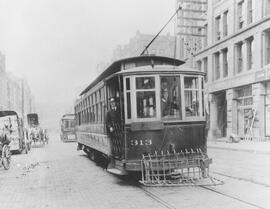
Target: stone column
(229,98)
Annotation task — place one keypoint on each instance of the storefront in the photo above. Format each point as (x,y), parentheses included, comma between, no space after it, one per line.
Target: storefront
(245,110)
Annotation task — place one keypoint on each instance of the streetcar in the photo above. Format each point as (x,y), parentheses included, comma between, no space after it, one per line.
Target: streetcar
(161,131)
(67,126)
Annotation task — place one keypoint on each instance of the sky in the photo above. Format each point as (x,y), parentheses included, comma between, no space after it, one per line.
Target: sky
(57,44)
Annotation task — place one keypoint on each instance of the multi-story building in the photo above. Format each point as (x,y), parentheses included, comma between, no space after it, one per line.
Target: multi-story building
(164,45)
(234,51)
(15,93)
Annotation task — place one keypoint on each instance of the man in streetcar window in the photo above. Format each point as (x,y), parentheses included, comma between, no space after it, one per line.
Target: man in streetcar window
(113,118)
(169,97)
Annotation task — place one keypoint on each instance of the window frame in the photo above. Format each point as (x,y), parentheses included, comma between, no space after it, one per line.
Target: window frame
(168,119)
(250,57)
(200,91)
(240,15)
(225,23)
(250,12)
(216,63)
(239,65)
(158,116)
(157,99)
(225,62)
(205,68)
(217,28)
(128,120)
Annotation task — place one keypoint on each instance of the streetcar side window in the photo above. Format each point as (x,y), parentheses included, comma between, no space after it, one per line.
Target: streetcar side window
(192,96)
(170,97)
(145,96)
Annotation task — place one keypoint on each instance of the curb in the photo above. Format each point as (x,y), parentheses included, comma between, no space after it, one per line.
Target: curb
(240,150)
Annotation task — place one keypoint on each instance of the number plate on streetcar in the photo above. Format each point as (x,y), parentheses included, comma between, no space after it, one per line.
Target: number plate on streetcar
(141,142)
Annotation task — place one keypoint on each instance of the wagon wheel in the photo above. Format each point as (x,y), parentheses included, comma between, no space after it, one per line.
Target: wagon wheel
(6,157)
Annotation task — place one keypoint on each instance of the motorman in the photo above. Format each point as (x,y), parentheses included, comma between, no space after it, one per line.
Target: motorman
(113,117)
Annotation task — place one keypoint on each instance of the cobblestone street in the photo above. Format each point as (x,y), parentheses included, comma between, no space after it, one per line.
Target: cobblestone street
(57,176)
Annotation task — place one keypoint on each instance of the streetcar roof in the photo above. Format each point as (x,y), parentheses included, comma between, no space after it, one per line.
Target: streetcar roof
(7,112)
(116,66)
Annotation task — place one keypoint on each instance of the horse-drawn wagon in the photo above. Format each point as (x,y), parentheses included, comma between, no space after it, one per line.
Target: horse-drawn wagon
(35,133)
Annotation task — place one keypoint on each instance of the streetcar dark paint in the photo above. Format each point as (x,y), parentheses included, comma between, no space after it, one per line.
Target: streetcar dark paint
(162,111)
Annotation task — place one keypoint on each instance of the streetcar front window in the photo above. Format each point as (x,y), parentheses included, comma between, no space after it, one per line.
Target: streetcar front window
(146,97)
(170,97)
(192,96)
(69,124)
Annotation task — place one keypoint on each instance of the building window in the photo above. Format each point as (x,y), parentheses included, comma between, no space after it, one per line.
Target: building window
(225,62)
(205,68)
(225,23)
(216,66)
(244,96)
(249,11)
(250,44)
(205,33)
(267,47)
(267,7)
(199,65)
(239,57)
(217,28)
(240,15)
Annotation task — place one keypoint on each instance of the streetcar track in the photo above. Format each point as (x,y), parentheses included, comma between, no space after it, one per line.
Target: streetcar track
(232,197)
(151,194)
(209,188)
(169,206)
(242,179)
(156,198)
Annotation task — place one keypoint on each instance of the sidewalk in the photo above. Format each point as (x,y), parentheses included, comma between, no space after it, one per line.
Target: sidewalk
(243,146)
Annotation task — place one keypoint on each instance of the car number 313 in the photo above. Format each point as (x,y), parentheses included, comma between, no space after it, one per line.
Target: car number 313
(140,142)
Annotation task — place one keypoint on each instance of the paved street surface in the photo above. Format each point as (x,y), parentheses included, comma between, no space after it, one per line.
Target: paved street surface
(57,176)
